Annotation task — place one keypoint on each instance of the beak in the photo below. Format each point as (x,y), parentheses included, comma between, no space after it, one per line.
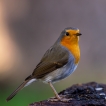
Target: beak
(78,34)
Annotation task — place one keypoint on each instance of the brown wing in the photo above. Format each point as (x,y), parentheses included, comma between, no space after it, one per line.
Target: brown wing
(53,59)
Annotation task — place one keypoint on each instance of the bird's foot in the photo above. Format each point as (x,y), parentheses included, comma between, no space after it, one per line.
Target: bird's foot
(53,99)
(61,98)
(65,100)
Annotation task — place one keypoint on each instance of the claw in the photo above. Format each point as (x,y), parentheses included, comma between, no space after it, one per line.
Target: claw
(62,99)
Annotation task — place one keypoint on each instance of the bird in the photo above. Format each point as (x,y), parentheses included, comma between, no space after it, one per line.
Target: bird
(58,62)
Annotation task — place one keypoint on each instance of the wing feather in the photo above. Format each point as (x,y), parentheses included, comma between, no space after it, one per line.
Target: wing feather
(54,58)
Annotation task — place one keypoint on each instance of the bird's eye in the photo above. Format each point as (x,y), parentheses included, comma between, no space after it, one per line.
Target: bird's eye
(67,33)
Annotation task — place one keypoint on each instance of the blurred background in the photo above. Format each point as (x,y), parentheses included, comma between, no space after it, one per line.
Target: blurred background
(29,27)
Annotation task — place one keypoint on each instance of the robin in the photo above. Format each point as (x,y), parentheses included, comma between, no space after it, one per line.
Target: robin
(59,61)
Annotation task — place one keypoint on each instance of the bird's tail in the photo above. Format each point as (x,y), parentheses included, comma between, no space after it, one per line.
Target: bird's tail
(24,84)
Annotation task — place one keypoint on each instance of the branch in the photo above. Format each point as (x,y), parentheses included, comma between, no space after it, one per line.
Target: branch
(90,94)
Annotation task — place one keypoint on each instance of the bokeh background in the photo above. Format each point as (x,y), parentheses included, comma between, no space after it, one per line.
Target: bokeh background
(29,27)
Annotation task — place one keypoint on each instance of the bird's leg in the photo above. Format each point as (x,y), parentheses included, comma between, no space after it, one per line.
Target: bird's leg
(62,98)
(55,92)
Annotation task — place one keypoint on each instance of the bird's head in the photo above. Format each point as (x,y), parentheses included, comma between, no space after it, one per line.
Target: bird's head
(70,35)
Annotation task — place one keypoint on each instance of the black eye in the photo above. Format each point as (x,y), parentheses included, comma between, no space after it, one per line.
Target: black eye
(67,33)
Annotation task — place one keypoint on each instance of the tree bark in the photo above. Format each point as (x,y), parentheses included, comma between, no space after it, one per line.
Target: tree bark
(89,94)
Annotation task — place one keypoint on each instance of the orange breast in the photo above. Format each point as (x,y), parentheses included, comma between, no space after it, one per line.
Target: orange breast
(73,47)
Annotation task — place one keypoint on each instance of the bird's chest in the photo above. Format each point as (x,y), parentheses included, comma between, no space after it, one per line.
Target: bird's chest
(75,51)
(73,48)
